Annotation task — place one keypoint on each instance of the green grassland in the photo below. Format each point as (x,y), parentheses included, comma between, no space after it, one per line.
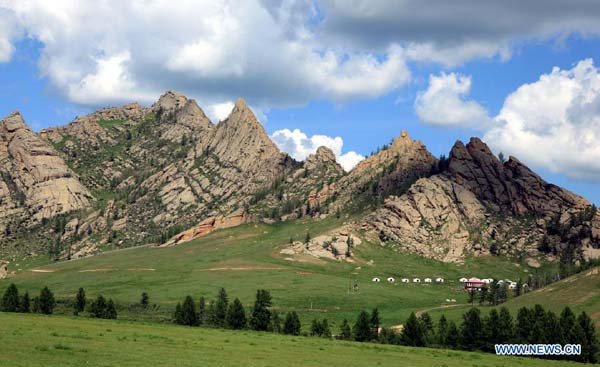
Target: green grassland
(35,340)
(581,292)
(247,258)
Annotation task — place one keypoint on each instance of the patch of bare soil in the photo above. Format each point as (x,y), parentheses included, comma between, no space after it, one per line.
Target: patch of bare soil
(243,268)
(43,270)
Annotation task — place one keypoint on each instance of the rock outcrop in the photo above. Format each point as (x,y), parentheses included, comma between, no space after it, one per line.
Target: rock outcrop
(208,225)
(35,176)
(3,269)
(479,205)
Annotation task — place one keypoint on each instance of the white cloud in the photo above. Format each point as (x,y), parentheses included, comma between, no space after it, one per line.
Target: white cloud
(111,52)
(219,111)
(299,146)
(554,122)
(445,103)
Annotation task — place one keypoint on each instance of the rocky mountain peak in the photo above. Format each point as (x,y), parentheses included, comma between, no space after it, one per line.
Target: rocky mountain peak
(14,121)
(170,100)
(323,154)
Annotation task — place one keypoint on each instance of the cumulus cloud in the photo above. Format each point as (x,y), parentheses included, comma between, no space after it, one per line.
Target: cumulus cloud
(100,53)
(219,111)
(446,103)
(452,32)
(554,122)
(299,146)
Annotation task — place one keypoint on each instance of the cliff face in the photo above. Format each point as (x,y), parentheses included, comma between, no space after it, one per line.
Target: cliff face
(479,204)
(36,183)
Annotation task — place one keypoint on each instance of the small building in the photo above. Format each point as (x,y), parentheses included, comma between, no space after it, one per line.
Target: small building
(428,280)
(462,280)
(474,284)
(416,280)
(512,285)
(405,280)
(486,281)
(453,300)
(391,280)
(439,280)
(376,280)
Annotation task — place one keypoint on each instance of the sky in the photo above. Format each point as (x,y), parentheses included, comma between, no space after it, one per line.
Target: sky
(350,75)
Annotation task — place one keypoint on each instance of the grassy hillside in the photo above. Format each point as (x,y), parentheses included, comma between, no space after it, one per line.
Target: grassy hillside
(581,292)
(247,258)
(66,341)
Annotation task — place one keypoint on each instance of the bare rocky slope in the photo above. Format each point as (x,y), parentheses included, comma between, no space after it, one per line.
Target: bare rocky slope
(480,205)
(165,174)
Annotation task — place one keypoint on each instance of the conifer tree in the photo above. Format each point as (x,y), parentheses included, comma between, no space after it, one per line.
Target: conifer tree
(25,303)
(492,331)
(292,326)
(221,304)
(145,300)
(506,327)
(236,315)
(80,301)
(589,347)
(111,310)
(202,311)
(452,336)
(10,299)
(260,318)
(275,322)
(567,322)
(178,315)
(471,330)
(362,328)
(413,334)
(46,301)
(325,330)
(98,307)
(523,325)
(374,322)
(442,331)
(188,310)
(345,331)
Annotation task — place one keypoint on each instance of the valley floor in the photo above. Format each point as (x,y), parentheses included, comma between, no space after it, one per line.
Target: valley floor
(35,340)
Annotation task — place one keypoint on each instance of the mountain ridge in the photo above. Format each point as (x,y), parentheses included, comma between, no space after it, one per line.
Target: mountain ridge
(167,174)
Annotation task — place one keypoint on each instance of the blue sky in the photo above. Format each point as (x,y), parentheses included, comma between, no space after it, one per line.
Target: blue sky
(319,67)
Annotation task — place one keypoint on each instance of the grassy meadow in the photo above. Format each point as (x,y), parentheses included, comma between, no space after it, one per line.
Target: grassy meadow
(36,340)
(246,258)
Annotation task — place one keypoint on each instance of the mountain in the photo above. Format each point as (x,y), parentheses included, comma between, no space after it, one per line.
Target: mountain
(479,204)
(165,174)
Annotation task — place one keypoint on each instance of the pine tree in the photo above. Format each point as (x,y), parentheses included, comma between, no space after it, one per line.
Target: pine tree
(567,322)
(452,336)
(523,325)
(325,330)
(47,301)
(202,311)
(111,311)
(413,334)
(471,330)
(374,322)
(145,300)
(492,331)
(260,318)
(178,314)
(506,327)
(442,331)
(551,327)
(188,310)
(519,288)
(589,346)
(362,328)
(236,315)
(275,322)
(221,304)
(315,328)
(427,323)
(292,326)
(25,303)
(98,307)
(10,300)
(345,331)
(80,301)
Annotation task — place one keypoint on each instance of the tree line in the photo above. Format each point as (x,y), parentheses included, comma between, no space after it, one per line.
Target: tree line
(476,333)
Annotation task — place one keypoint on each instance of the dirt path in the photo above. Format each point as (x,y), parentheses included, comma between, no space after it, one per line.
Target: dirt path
(419,313)
(243,268)
(42,270)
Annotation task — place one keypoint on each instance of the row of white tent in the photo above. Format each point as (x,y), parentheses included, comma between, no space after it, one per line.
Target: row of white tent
(414,280)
